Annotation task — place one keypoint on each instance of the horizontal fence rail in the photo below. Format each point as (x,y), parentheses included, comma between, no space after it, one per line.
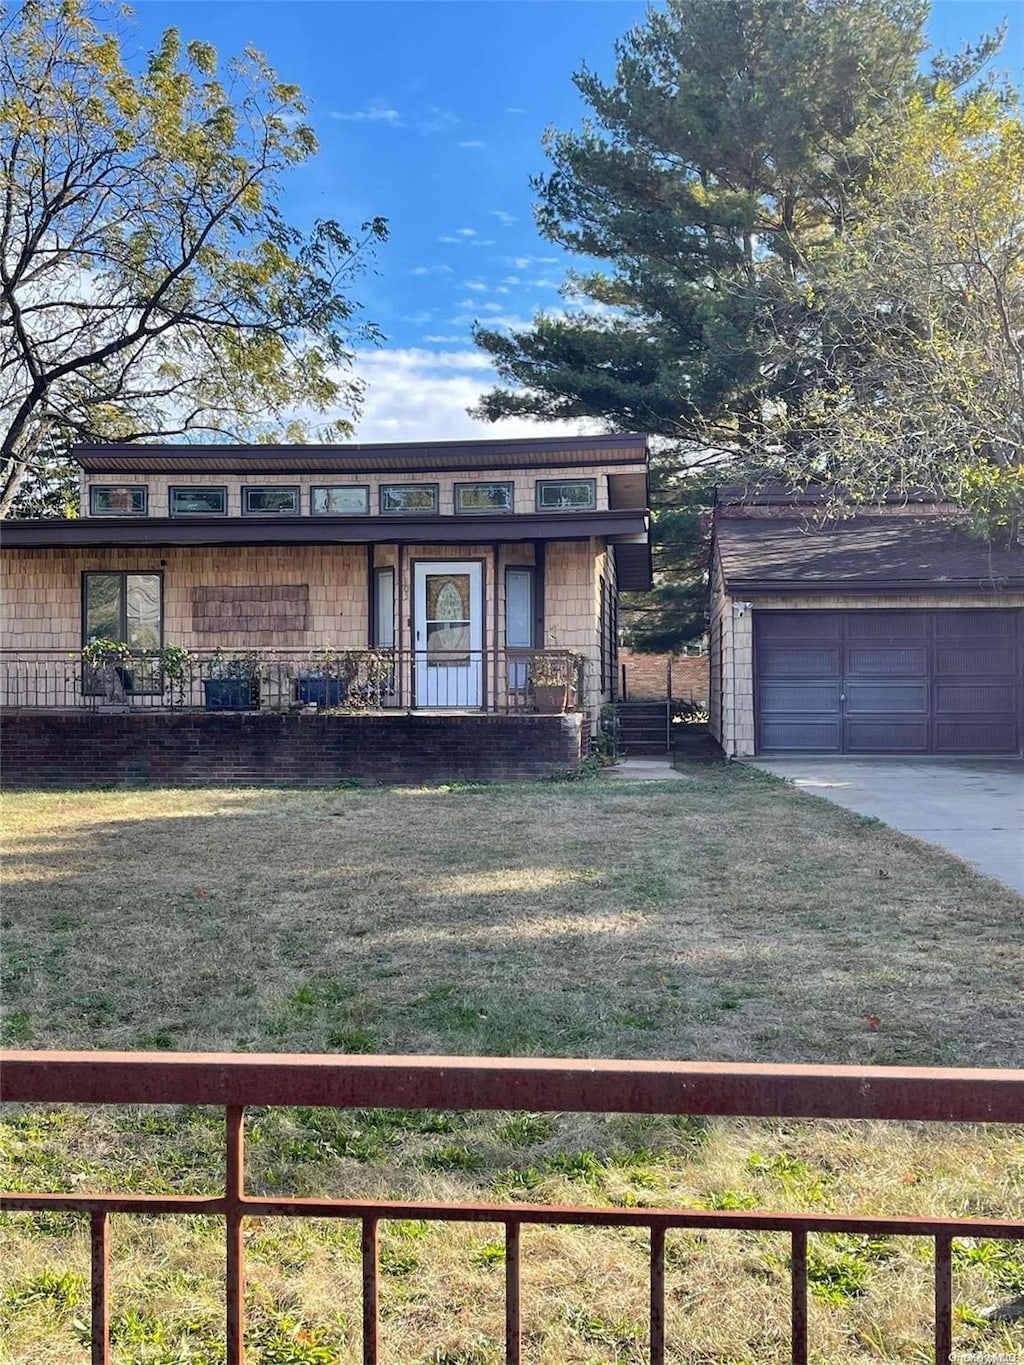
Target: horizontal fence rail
(234,1081)
(489,680)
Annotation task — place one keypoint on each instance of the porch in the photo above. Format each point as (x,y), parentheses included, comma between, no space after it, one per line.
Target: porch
(107,678)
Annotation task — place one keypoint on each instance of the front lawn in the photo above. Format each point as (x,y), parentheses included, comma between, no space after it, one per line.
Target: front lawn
(725,917)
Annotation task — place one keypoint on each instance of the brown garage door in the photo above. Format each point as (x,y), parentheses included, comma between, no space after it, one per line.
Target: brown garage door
(915,682)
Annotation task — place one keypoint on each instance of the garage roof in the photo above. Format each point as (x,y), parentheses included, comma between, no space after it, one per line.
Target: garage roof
(897,553)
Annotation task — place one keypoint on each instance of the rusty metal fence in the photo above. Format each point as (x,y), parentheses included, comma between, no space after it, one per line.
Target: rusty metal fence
(234,1081)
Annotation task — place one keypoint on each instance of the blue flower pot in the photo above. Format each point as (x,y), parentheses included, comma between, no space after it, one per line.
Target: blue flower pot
(322,691)
(230,694)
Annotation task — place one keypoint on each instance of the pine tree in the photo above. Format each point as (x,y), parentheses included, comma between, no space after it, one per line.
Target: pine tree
(735,138)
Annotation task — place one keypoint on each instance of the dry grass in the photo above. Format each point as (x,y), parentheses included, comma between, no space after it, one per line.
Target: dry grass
(725,917)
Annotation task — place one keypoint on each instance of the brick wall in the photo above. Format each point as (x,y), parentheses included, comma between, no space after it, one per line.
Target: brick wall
(646,677)
(44,749)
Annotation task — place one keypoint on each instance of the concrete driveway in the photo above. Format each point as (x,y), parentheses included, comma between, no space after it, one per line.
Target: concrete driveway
(971,807)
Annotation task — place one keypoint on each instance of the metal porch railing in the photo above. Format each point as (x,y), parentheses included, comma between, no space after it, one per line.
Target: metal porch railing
(226,679)
(235,1081)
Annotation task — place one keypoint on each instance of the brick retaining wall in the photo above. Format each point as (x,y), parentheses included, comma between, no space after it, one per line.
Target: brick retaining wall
(88,749)
(644,677)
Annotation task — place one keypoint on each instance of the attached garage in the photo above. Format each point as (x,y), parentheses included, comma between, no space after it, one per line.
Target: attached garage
(894,632)
(943,681)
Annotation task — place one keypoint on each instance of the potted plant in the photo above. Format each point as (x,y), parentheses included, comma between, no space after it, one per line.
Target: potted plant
(107,670)
(326,681)
(175,665)
(553,681)
(232,682)
(372,680)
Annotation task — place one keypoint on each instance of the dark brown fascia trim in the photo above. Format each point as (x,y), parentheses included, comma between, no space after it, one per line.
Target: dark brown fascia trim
(428,453)
(846,587)
(155,466)
(319,530)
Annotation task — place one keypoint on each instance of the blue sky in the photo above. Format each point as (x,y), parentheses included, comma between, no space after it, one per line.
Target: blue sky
(431,112)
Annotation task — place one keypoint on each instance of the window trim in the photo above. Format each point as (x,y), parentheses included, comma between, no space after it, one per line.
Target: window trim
(485,511)
(293,488)
(347,487)
(221,488)
(123,574)
(122,625)
(547,483)
(435,488)
(109,488)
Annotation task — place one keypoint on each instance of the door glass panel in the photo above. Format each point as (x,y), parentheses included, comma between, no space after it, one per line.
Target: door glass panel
(447,618)
(445,640)
(103,606)
(143,611)
(448,597)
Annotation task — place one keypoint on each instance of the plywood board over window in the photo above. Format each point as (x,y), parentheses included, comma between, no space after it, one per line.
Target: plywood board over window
(262,615)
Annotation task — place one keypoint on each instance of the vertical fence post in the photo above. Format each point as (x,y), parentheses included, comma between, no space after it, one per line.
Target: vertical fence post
(235,1277)
(668,705)
(371,1292)
(513,1309)
(99,1238)
(657,1296)
(798,1295)
(943,1298)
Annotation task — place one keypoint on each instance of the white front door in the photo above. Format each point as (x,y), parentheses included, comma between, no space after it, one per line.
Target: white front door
(448,615)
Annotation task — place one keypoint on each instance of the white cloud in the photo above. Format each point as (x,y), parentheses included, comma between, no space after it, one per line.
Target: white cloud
(436,120)
(524,262)
(414,394)
(473,144)
(543,284)
(512,321)
(433,270)
(511,279)
(505,219)
(483,241)
(445,340)
(493,307)
(464,236)
(477,285)
(514,109)
(376,112)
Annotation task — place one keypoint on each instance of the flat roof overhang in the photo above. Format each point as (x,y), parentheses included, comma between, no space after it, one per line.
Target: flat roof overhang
(388,458)
(168,532)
